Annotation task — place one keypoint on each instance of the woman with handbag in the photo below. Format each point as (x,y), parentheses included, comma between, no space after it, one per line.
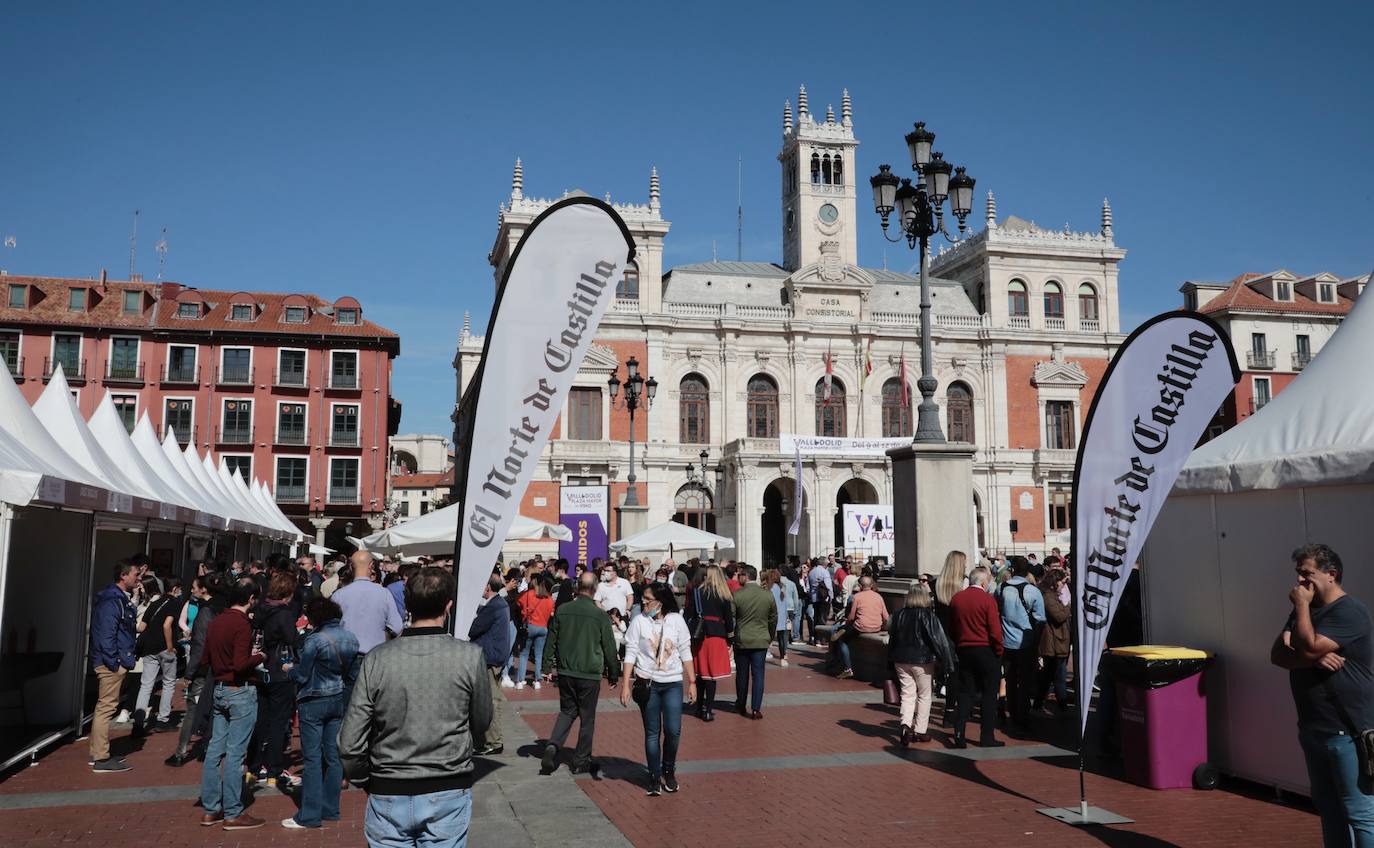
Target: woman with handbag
(712,624)
(658,659)
(1055,642)
(772,581)
(916,644)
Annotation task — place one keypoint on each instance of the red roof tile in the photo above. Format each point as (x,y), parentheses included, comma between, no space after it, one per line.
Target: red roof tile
(1240,297)
(422,481)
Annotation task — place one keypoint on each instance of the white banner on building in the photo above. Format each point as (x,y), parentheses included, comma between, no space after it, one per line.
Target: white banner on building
(813,445)
(868,530)
(556,287)
(1160,391)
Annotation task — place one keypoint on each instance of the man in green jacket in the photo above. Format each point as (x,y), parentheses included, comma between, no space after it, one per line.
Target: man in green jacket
(756,618)
(580,649)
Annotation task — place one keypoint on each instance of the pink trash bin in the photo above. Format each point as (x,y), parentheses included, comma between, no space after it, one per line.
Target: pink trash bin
(1163,727)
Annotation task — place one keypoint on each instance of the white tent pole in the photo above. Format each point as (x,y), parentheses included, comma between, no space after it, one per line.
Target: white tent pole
(6,525)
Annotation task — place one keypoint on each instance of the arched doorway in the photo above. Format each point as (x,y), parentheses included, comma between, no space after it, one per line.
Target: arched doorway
(693,507)
(854,491)
(778,512)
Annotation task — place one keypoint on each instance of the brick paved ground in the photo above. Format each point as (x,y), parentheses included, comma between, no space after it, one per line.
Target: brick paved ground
(821,768)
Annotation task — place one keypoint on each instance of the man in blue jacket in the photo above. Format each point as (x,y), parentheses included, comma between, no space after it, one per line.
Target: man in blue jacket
(1023,615)
(490,631)
(114,628)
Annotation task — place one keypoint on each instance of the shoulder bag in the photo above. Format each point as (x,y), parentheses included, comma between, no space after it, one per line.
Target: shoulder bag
(639,691)
(1363,739)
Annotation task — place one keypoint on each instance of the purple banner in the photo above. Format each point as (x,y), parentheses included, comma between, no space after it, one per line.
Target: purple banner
(583,509)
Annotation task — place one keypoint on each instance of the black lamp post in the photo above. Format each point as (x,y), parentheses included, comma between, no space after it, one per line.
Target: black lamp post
(698,482)
(636,387)
(920,209)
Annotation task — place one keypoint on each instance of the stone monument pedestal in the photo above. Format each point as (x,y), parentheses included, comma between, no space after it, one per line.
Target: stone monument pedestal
(932,512)
(631,519)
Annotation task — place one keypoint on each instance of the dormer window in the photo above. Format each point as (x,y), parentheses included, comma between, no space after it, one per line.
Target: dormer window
(346,315)
(76,300)
(241,312)
(296,314)
(19,296)
(1283,290)
(1326,293)
(133,302)
(188,310)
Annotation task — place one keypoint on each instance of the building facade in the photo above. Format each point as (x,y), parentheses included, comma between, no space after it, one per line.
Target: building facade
(1025,321)
(287,388)
(421,475)
(1277,323)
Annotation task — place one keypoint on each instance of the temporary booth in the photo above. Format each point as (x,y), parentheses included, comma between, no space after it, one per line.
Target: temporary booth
(434,534)
(670,537)
(1216,571)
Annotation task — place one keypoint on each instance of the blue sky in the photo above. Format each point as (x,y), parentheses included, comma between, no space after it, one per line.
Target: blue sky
(363,148)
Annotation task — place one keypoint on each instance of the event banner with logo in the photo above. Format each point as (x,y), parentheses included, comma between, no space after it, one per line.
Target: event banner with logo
(868,530)
(556,287)
(583,510)
(832,446)
(1160,391)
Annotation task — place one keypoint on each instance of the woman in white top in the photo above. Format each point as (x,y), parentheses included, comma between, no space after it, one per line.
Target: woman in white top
(658,658)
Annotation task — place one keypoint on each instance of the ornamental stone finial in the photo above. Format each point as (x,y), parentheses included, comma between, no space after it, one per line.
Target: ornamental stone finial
(992,211)
(787,117)
(1106,218)
(801,102)
(846,109)
(517,181)
(653,189)
(829,113)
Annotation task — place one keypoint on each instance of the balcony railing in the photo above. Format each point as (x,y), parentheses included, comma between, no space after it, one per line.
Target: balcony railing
(1260,359)
(183,374)
(75,372)
(1054,322)
(1301,360)
(235,436)
(343,494)
(291,435)
(290,378)
(343,381)
(124,372)
(235,375)
(343,438)
(184,435)
(16,368)
(1019,322)
(291,494)
(1090,325)
(1258,403)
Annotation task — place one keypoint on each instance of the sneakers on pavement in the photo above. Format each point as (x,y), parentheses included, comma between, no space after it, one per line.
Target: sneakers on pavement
(548,763)
(782,663)
(292,824)
(846,674)
(520,685)
(124,717)
(507,683)
(537,684)
(211,819)
(243,822)
(110,765)
(669,782)
(652,788)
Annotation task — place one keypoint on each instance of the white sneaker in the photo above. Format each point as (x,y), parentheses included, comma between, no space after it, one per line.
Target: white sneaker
(123,718)
(520,685)
(507,683)
(782,663)
(292,824)
(537,684)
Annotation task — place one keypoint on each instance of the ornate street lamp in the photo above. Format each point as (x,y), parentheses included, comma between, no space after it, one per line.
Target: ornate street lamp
(636,388)
(920,214)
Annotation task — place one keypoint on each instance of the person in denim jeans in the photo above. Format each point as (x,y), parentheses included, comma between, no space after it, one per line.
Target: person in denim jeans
(536,606)
(658,657)
(228,646)
(329,659)
(1327,646)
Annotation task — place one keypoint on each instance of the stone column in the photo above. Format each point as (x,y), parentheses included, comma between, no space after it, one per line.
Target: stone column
(932,498)
(320,525)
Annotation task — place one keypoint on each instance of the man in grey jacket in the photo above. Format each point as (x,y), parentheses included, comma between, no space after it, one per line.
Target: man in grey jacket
(419,702)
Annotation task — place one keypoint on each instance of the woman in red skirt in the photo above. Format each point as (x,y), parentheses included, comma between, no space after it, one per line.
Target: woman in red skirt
(712,625)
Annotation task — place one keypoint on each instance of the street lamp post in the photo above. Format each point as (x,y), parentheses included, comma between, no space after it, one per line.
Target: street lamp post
(921,215)
(699,484)
(636,387)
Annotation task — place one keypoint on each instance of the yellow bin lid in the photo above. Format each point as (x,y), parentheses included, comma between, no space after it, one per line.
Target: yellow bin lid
(1160,652)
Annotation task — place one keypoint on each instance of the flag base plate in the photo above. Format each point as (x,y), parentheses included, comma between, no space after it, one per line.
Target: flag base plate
(1084,816)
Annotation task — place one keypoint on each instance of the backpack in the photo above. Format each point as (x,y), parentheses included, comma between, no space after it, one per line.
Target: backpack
(1032,637)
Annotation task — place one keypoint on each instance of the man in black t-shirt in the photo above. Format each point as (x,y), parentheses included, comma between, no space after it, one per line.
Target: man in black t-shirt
(1328,648)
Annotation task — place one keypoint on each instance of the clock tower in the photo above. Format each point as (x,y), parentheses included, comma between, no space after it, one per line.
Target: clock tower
(818,192)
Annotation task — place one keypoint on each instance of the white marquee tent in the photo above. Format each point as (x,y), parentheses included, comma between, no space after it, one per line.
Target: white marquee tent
(671,536)
(1216,571)
(433,534)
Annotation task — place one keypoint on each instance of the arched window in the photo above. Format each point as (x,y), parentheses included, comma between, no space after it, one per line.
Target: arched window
(896,409)
(1018,305)
(1087,303)
(815,169)
(628,287)
(693,411)
(959,404)
(830,411)
(825,169)
(762,409)
(694,507)
(1054,300)
(837,169)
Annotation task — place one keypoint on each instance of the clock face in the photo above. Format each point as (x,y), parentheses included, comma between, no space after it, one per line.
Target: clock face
(828,213)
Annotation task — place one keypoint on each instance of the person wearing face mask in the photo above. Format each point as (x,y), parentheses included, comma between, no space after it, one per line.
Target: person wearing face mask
(658,658)
(614,592)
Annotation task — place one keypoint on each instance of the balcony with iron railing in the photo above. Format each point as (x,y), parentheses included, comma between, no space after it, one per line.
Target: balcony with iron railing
(75,372)
(1260,360)
(291,494)
(235,375)
(234,436)
(1258,403)
(290,378)
(188,375)
(343,438)
(346,495)
(291,435)
(343,382)
(1301,360)
(127,373)
(184,435)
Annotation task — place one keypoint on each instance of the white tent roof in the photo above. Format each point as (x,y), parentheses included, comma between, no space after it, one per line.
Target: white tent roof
(56,410)
(264,496)
(146,443)
(434,533)
(1319,431)
(207,501)
(109,432)
(18,420)
(221,484)
(20,471)
(234,484)
(671,536)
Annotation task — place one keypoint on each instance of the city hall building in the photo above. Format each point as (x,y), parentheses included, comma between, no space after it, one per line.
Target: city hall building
(1025,320)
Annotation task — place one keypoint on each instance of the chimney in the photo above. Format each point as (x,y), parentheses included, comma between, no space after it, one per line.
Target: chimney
(169,291)
(104,275)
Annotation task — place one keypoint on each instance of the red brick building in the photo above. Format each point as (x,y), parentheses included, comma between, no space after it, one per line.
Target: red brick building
(288,388)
